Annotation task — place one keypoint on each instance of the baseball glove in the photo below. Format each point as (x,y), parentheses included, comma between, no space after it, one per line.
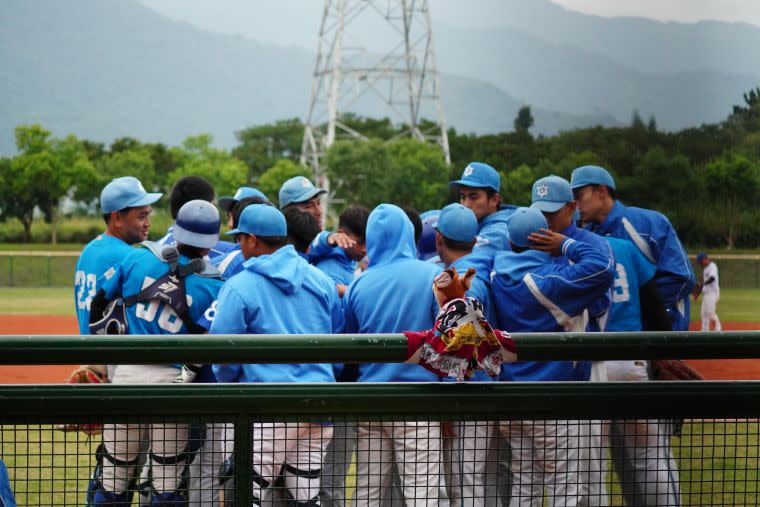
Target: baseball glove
(85,375)
(696,291)
(674,369)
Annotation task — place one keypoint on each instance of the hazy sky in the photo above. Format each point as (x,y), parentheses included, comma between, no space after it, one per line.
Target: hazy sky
(671,10)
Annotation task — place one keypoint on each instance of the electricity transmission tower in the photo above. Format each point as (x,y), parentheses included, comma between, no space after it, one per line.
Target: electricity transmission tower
(399,82)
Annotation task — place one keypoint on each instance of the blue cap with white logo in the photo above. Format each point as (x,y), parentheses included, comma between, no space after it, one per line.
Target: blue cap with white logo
(524,222)
(298,189)
(479,175)
(591,175)
(125,192)
(551,193)
(197,224)
(261,220)
(458,223)
(227,202)
(701,256)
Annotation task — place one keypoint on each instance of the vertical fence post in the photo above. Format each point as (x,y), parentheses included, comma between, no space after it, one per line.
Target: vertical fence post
(49,269)
(243,460)
(10,269)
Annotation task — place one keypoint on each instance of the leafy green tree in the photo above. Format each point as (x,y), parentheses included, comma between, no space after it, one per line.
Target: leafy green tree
(524,120)
(197,157)
(516,186)
(273,178)
(48,168)
(733,183)
(15,201)
(261,146)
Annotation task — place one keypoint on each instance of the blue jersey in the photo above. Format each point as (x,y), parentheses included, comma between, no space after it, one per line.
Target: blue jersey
(655,237)
(632,270)
(230,263)
(140,269)
(480,288)
(331,260)
(394,293)
(534,294)
(598,310)
(290,297)
(217,251)
(97,263)
(493,235)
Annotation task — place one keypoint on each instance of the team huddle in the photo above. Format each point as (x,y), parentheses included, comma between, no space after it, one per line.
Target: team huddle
(577,260)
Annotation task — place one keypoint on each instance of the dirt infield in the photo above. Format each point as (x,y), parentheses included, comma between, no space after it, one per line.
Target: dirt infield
(723,369)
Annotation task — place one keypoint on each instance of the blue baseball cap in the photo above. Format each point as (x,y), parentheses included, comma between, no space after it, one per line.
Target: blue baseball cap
(457,223)
(125,192)
(298,189)
(227,202)
(197,224)
(479,175)
(701,256)
(524,222)
(426,245)
(591,175)
(551,193)
(261,220)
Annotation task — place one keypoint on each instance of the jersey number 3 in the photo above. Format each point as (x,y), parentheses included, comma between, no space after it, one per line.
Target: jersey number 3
(620,293)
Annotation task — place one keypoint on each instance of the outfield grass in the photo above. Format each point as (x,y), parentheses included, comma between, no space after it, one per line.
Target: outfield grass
(718,464)
(736,305)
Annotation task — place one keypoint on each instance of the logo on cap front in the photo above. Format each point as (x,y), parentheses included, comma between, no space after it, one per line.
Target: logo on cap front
(305,183)
(140,187)
(468,171)
(542,191)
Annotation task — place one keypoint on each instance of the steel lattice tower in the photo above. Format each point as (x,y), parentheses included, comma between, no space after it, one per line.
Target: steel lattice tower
(403,80)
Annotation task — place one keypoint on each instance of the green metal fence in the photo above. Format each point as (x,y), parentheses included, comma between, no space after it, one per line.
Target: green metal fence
(724,412)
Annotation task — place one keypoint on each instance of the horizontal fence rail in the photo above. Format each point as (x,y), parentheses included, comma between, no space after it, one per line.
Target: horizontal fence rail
(509,400)
(358,348)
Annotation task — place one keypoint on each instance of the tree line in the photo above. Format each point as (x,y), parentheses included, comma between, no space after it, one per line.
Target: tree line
(705,179)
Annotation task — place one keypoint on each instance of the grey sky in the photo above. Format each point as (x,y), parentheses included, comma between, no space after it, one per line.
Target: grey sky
(747,11)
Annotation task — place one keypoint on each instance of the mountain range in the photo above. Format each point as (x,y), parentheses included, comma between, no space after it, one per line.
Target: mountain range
(101,69)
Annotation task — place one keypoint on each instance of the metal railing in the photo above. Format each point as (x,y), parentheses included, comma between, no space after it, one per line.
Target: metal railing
(246,404)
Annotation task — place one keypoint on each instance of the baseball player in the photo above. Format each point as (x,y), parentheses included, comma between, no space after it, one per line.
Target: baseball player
(232,262)
(144,275)
(641,450)
(479,191)
(392,295)
(535,294)
(186,189)
(468,445)
(553,196)
(299,191)
(303,229)
(337,262)
(710,293)
(126,211)
(651,232)
(278,292)
(227,203)
(426,246)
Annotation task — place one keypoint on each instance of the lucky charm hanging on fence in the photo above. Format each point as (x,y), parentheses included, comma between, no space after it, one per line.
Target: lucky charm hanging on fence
(462,341)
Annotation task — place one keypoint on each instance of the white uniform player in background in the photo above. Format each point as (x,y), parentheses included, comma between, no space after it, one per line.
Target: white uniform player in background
(710,293)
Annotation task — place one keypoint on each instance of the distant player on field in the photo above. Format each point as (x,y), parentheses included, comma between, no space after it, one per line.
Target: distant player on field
(710,293)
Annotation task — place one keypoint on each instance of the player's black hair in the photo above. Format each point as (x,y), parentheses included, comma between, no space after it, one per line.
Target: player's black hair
(107,216)
(414,216)
(239,206)
(459,246)
(302,227)
(192,252)
(354,220)
(518,249)
(273,241)
(189,188)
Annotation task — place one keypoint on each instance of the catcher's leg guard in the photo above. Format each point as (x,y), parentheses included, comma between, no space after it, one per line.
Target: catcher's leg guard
(178,496)
(173,499)
(97,495)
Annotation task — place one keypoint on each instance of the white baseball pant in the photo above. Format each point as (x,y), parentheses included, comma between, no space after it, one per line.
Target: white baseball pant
(641,450)
(415,447)
(466,456)
(708,311)
(592,468)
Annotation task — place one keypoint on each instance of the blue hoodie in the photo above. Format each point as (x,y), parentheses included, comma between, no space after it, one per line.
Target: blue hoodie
(290,297)
(394,293)
(331,260)
(493,235)
(599,309)
(533,294)
(653,234)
